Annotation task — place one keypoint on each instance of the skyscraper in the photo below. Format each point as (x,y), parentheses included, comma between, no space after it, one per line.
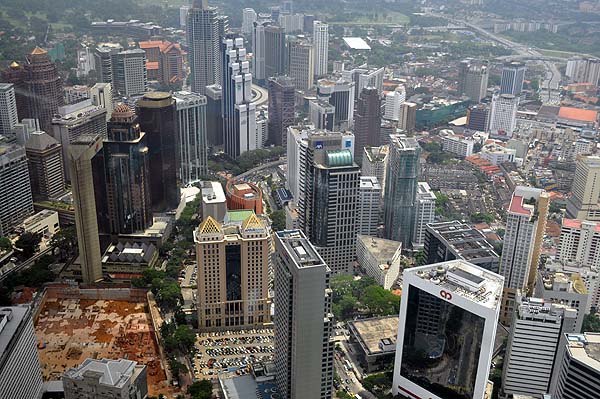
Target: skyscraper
(214,119)
(238,110)
(301,63)
(20,369)
(374,163)
(46,173)
(259,52)
(321,114)
(584,203)
(369,205)
(321,45)
(274,51)
(503,115)
(303,322)
(203,40)
(157,118)
(233,272)
(513,75)
(367,121)
(401,183)
(16,202)
(101,95)
(448,319)
(525,226)
(365,77)
(408,117)
(191,128)
(477,117)
(129,73)
(249,17)
(425,214)
(340,94)
(82,152)
(282,97)
(127,167)
(577,374)
(579,243)
(393,103)
(473,79)
(103,60)
(8,108)
(537,330)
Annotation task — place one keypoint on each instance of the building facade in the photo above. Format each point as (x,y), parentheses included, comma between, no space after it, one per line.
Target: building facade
(473,79)
(129,73)
(8,108)
(321,45)
(16,202)
(584,203)
(503,115)
(578,374)
(379,258)
(513,75)
(367,121)
(369,206)
(45,162)
(579,243)
(192,135)
(282,99)
(425,212)
(301,64)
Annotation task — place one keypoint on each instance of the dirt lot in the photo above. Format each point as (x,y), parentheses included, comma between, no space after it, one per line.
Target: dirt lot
(75,329)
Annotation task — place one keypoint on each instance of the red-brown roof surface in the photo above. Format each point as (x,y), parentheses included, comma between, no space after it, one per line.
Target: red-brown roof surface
(578,114)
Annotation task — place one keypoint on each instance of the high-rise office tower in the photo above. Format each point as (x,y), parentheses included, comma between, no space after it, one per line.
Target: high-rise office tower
(14,75)
(513,75)
(214,119)
(20,369)
(444,241)
(157,118)
(287,7)
(259,52)
(447,330)
(579,243)
(129,73)
(301,63)
(365,77)
(525,226)
(74,120)
(274,51)
(103,60)
(401,185)
(584,203)
(203,38)
(127,167)
(106,379)
(282,97)
(321,114)
(42,86)
(577,374)
(16,202)
(393,103)
(473,79)
(101,95)
(46,173)
(367,121)
(82,152)
(374,163)
(238,110)
(183,12)
(477,117)
(303,322)
(369,205)
(321,44)
(503,115)
(408,117)
(249,17)
(536,331)
(262,127)
(233,272)
(8,108)
(191,128)
(340,94)
(425,212)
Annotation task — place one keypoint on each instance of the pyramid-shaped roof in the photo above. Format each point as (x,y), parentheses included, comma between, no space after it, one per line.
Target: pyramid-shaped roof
(40,141)
(38,51)
(209,226)
(252,223)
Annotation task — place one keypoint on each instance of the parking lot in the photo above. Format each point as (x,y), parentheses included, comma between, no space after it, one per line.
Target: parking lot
(231,351)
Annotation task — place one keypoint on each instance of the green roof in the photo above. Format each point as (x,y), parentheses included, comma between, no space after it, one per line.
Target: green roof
(238,215)
(339,158)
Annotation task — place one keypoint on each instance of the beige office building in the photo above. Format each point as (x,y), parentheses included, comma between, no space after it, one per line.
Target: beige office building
(584,204)
(81,153)
(233,272)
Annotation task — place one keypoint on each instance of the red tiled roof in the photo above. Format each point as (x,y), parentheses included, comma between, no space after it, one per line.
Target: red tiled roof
(578,114)
(516,206)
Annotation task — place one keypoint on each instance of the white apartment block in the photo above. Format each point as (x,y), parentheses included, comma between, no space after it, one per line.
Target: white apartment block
(393,103)
(374,163)
(425,212)
(463,147)
(249,17)
(503,115)
(380,258)
(579,243)
(369,206)
(102,96)
(321,45)
(16,201)
(584,203)
(8,108)
(497,154)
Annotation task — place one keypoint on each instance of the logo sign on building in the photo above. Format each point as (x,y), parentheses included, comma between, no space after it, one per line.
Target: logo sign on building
(319,145)
(348,144)
(446,295)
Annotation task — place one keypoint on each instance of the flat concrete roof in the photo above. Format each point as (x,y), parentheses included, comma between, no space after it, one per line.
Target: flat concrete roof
(383,250)
(356,43)
(369,332)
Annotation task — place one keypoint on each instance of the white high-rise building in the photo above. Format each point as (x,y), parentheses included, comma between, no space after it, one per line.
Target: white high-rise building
(364,77)
(374,163)
(301,64)
(321,45)
(340,94)
(577,371)
(393,103)
(20,369)
(183,14)
(102,96)
(537,330)
(425,212)
(584,203)
(258,50)
(8,108)
(249,17)
(16,201)
(448,319)
(238,110)
(191,126)
(463,147)
(369,206)
(503,115)
(579,243)
(129,74)
(303,322)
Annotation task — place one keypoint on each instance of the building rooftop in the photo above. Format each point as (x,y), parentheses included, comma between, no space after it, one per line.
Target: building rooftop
(371,332)
(300,249)
(129,252)
(370,182)
(383,250)
(585,348)
(563,281)
(577,224)
(578,114)
(114,373)
(38,217)
(10,320)
(465,279)
(356,43)
(377,154)
(212,192)
(465,241)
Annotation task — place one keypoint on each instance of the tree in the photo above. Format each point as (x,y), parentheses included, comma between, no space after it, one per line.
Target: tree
(29,243)
(177,367)
(591,323)
(278,218)
(201,390)
(5,244)
(65,241)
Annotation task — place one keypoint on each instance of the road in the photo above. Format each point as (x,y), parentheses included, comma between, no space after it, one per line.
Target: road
(25,265)
(267,165)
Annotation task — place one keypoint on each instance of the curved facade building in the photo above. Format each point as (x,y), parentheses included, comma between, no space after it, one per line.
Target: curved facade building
(243,195)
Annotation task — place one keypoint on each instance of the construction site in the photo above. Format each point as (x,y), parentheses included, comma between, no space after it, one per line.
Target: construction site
(73,324)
